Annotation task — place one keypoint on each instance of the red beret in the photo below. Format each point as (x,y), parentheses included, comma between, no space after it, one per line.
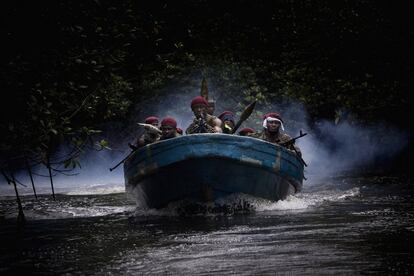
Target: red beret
(246,130)
(226,115)
(273,115)
(169,121)
(199,101)
(151,119)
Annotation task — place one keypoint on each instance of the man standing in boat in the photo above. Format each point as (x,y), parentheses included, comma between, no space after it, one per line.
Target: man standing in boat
(168,128)
(272,127)
(227,118)
(203,122)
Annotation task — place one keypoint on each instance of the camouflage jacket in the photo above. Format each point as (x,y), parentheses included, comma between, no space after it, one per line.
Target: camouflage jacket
(202,126)
(280,139)
(175,135)
(147,138)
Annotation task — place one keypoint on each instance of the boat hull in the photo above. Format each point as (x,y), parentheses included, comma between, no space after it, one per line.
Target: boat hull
(206,167)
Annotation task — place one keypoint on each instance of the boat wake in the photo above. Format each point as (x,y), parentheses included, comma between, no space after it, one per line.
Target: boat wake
(242,204)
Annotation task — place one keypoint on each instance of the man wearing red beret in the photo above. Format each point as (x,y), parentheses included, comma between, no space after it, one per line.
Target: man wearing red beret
(245,131)
(227,118)
(152,120)
(169,128)
(151,134)
(203,122)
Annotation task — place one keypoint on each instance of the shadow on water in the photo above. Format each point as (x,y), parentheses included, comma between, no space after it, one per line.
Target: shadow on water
(344,225)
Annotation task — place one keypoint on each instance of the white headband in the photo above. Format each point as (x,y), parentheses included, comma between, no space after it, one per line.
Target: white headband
(269,119)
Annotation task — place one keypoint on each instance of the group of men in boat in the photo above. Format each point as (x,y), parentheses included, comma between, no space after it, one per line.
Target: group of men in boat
(205,122)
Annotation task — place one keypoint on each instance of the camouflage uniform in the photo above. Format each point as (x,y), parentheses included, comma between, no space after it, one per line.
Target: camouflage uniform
(166,138)
(280,139)
(195,126)
(147,138)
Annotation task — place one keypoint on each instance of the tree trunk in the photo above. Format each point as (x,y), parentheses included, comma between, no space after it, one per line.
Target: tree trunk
(20,217)
(50,176)
(31,177)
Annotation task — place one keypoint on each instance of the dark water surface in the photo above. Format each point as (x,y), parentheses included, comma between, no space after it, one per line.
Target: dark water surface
(346,226)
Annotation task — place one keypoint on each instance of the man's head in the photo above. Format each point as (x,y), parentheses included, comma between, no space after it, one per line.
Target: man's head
(227,117)
(152,120)
(211,106)
(168,127)
(272,122)
(199,106)
(245,131)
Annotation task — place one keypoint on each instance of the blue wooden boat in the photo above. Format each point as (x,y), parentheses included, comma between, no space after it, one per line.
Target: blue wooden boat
(206,167)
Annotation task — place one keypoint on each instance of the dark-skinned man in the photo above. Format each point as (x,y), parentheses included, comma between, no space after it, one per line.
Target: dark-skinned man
(151,133)
(168,128)
(203,122)
(273,131)
(228,124)
(246,131)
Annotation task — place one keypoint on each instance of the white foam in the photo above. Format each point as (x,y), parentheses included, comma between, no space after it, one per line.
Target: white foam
(97,189)
(85,189)
(301,201)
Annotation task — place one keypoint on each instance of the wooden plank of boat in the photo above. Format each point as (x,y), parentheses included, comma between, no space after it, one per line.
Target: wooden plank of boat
(205,167)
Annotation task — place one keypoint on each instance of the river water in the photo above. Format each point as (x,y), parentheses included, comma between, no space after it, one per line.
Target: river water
(342,225)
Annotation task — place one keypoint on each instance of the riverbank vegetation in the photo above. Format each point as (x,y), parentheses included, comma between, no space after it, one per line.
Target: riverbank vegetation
(70,67)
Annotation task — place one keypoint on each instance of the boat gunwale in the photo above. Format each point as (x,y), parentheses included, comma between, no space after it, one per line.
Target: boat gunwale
(160,148)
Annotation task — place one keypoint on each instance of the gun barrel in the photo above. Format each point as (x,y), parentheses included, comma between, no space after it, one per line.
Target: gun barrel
(291,141)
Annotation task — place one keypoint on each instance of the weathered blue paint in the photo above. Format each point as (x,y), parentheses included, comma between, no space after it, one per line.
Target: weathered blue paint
(209,166)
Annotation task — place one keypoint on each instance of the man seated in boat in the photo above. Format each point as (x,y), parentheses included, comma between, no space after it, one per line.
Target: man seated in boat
(272,132)
(168,128)
(151,133)
(246,131)
(203,122)
(227,119)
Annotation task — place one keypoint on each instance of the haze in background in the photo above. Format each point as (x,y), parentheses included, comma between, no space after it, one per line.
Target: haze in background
(329,149)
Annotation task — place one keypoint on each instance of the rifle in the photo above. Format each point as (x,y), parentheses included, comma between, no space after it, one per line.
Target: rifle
(122,161)
(201,125)
(151,130)
(246,113)
(291,142)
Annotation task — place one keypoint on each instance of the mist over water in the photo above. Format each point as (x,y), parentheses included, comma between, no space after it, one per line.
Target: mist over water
(347,147)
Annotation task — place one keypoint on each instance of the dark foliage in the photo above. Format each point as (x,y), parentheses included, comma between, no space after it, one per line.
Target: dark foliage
(68,67)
